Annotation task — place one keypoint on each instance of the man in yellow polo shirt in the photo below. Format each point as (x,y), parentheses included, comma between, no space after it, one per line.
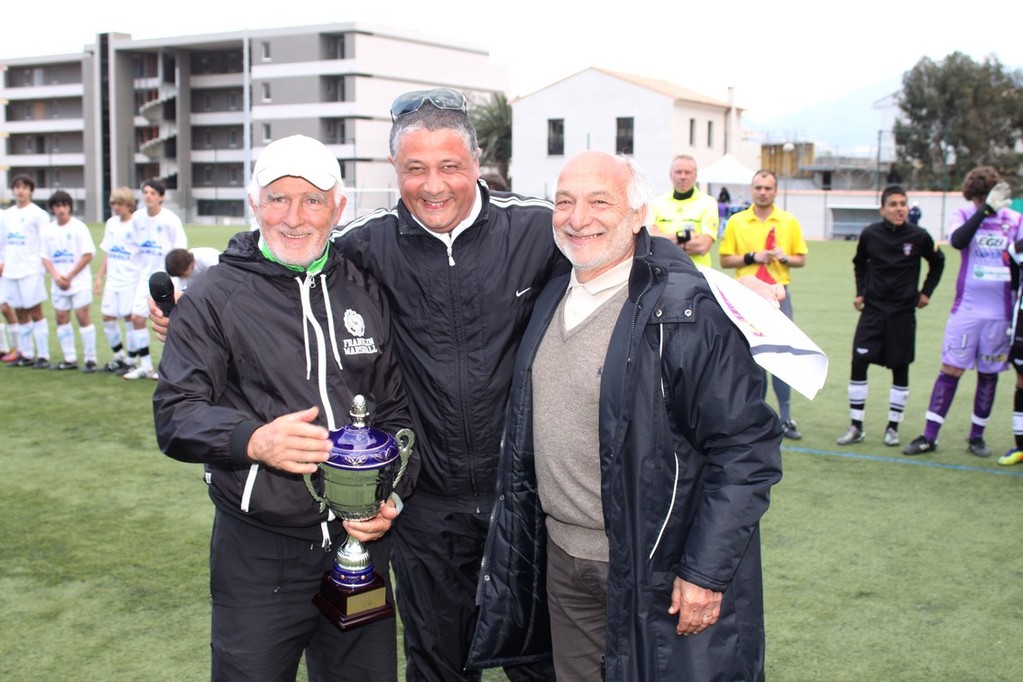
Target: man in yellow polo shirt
(686,215)
(766,242)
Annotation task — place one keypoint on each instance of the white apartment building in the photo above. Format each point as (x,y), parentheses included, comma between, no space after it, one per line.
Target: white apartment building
(195,111)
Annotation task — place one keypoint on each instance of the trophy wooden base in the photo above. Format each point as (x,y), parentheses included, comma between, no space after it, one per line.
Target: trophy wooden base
(348,607)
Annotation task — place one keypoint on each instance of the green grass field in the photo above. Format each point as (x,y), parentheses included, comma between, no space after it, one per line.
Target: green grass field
(876,566)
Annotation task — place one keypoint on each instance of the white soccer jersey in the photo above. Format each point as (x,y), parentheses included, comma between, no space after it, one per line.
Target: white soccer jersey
(64,246)
(20,231)
(154,237)
(205,258)
(119,245)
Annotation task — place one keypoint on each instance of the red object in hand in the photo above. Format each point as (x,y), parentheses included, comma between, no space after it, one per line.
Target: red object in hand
(762,273)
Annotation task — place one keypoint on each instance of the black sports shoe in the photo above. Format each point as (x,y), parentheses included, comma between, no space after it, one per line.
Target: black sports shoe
(89,366)
(41,363)
(64,364)
(978,447)
(790,431)
(919,446)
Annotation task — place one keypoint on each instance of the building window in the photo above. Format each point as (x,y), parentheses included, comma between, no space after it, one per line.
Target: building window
(336,47)
(710,133)
(207,138)
(623,135)
(232,100)
(266,133)
(265,88)
(55,145)
(232,138)
(555,137)
(264,48)
(207,175)
(692,132)
(233,175)
(207,101)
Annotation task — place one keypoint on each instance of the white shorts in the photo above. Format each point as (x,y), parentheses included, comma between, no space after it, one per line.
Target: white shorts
(24,292)
(140,302)
(69,299)
(117,302)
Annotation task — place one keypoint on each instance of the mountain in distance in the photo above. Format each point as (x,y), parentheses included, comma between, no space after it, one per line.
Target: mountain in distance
(847,126)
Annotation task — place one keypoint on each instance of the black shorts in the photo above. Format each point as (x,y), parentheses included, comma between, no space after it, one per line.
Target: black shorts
(888,340)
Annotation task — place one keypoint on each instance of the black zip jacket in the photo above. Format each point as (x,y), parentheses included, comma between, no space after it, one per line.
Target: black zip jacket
(252,341)
(458,317)
(887,266)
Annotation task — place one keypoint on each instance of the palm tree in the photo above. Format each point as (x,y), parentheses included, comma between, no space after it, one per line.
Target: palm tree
(493,121)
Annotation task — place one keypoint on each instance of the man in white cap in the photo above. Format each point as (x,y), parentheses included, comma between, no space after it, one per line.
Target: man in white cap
(266,354)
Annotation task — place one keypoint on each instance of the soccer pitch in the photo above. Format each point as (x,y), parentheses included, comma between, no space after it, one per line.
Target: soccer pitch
(876,565)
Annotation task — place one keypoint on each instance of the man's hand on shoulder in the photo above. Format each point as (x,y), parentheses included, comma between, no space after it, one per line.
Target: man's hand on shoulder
(291,443)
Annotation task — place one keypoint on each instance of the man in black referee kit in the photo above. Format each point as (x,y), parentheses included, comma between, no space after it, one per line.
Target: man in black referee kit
(888,292)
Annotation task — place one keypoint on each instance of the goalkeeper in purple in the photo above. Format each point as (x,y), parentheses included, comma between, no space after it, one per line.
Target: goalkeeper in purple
(976,334)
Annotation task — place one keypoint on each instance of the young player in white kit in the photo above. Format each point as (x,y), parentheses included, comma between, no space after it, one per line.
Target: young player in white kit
(157,230)
(24,288)
(118,278)
(66,249)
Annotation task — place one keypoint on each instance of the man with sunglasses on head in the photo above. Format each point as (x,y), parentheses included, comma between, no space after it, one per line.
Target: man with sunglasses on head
(461,267)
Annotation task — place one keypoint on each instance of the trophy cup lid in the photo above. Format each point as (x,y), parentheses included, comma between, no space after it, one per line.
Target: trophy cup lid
(358,446)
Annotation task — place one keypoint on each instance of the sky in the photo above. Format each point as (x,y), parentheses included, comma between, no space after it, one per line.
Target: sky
(779,57)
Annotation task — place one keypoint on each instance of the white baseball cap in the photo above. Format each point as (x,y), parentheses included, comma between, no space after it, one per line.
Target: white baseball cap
(298,156)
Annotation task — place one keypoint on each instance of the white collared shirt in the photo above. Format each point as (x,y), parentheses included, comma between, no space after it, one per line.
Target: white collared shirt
(586,297)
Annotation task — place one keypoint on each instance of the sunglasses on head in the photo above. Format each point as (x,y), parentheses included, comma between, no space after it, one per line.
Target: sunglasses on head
(442,98)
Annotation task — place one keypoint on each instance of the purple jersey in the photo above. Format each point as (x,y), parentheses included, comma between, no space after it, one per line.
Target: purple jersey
(984,286)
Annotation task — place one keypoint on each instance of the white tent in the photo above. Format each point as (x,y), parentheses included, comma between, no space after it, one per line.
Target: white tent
(727,170)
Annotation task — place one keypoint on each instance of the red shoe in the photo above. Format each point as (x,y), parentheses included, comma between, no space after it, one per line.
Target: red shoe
(11,357)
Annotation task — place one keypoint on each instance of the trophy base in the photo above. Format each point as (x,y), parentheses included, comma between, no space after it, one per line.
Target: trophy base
(348,607)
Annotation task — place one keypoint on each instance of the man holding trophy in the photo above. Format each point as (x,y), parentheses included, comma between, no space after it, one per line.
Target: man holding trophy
(266,357)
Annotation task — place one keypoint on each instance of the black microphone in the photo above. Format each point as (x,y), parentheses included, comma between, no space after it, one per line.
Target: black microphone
(161,288)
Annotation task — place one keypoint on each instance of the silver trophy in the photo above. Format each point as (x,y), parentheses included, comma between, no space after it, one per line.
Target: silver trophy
(364,467)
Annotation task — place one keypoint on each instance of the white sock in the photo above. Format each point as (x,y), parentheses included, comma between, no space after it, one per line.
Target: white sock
(88,342)
(66,337)
(25,340)
(41,334)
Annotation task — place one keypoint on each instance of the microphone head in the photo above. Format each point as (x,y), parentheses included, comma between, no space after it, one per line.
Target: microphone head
(161,288)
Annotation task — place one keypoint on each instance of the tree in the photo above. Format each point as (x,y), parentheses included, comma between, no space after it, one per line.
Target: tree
(957,114)
(493,121)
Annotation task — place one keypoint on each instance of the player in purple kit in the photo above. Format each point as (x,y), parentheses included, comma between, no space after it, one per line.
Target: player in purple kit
(975,335)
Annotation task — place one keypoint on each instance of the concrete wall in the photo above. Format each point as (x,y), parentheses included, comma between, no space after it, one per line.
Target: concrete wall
(813,208)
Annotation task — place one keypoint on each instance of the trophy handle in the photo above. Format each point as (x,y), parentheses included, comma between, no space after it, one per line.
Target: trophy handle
(405,439)
(312,491)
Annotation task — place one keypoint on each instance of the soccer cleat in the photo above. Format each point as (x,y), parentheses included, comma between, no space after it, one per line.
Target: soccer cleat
(919,446)
(23,362)
(116,366)
(64,365)
(11,357)
(977,446)
(853,435)
(1013,456)
(140,373)
(891,437)
(790,431)
(41,363)
(89,366)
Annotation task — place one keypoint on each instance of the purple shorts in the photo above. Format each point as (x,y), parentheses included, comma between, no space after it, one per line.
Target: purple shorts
(970,343)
